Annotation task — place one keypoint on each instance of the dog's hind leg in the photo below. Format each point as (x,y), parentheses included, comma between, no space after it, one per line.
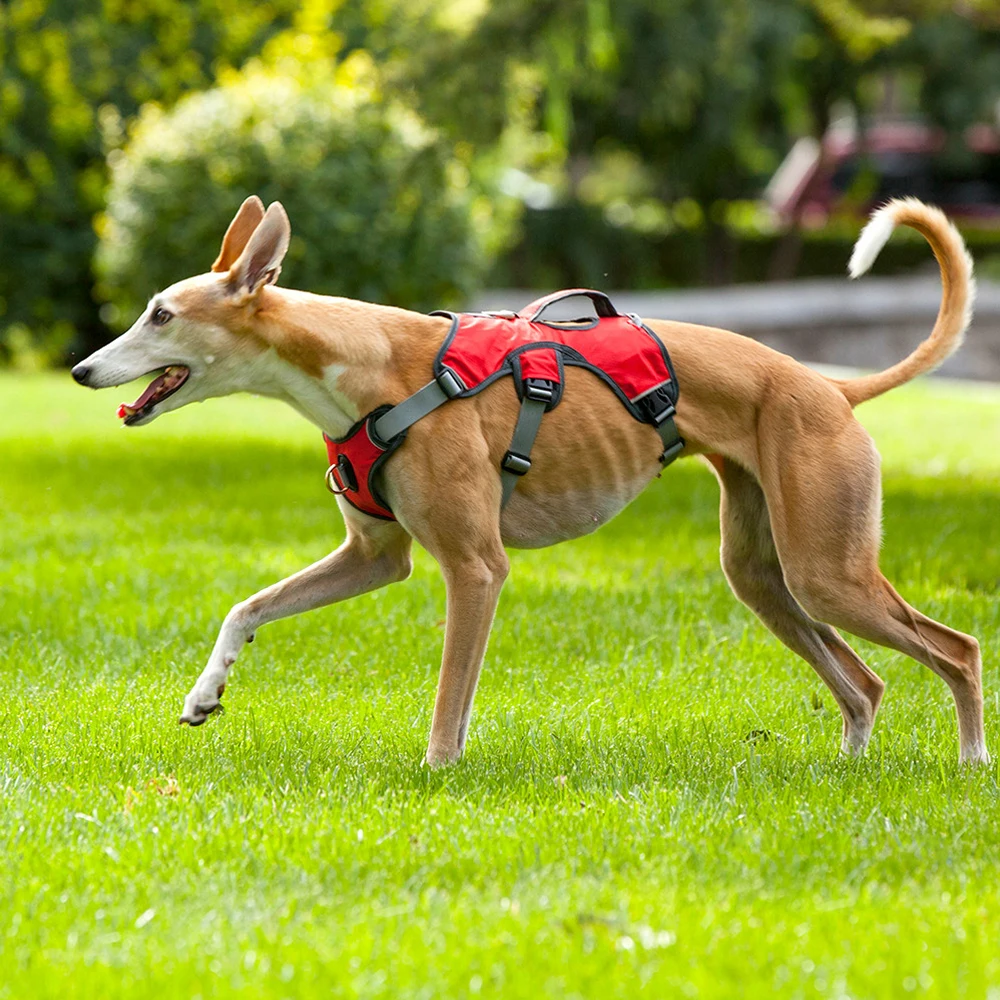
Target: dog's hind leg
(823,494)
(751,565)
(373,555)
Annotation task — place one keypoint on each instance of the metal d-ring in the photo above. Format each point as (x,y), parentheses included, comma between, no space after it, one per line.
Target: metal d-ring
(331,482)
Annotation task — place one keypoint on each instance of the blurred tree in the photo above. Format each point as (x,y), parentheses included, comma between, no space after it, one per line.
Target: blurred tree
(956,58)
(382,208)
(71,70)
(695,98)
(675,112)
(656,117)
(986,13)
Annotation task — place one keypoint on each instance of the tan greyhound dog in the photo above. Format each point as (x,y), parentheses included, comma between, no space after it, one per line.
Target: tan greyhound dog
(801,499)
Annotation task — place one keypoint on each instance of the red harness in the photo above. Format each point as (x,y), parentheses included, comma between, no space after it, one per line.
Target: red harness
(483,347)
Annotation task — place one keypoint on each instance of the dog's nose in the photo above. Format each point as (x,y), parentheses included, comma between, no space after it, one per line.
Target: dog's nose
(81,373)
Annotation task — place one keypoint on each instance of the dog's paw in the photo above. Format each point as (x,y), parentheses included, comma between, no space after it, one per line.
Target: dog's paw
(435,758)
(197,715)
(975,756)
(198,706)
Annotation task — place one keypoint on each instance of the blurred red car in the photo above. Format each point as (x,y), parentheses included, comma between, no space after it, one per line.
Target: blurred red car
(855,171)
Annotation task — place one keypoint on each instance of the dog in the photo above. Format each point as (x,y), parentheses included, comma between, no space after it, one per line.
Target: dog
(799,476)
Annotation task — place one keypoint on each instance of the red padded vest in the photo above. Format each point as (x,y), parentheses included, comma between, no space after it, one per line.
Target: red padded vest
(483,347)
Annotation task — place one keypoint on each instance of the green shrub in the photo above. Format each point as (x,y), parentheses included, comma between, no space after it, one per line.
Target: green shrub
(381,207)
(70,72)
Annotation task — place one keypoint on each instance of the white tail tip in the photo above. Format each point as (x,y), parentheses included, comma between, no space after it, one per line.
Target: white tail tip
(873,237)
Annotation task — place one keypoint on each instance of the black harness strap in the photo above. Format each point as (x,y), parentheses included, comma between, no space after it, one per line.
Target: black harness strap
(673,443)
(516,462)
(657,405)
(412,409)
(537,396)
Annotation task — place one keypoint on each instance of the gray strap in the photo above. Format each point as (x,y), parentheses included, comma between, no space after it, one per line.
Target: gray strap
(412,409)
(673,443)
(517,461)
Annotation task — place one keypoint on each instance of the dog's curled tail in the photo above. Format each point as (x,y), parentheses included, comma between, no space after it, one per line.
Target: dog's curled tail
(958,291)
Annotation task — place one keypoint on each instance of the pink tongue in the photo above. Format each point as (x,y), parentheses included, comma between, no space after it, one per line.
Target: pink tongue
(150,391)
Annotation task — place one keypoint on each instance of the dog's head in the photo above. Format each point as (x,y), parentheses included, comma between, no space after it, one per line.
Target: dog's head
(197,335)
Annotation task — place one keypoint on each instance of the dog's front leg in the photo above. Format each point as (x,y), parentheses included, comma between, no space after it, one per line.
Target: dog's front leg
(452,507)
(473,586)
(372,556)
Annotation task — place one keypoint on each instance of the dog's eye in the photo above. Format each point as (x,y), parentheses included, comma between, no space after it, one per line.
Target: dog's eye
(161,316)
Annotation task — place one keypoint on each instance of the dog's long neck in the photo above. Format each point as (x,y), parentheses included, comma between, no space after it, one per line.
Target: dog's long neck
(336,359)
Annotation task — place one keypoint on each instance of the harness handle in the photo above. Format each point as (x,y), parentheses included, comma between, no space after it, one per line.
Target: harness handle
(602,304)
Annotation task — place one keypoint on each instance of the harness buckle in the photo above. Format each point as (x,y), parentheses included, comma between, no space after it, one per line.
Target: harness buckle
(669,454)
(657,405)
(538,389)
(515,464)
(451,384)
(659,418)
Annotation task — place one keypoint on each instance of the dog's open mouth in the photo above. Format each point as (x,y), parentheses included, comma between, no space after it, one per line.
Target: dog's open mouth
(159,389)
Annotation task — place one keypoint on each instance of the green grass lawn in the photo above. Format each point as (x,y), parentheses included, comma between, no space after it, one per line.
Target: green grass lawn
(651,801)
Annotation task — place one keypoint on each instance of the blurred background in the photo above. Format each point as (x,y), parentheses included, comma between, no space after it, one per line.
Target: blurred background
(464,152)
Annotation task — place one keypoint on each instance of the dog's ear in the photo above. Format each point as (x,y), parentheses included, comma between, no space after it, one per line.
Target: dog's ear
(245,221)
(260,262)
